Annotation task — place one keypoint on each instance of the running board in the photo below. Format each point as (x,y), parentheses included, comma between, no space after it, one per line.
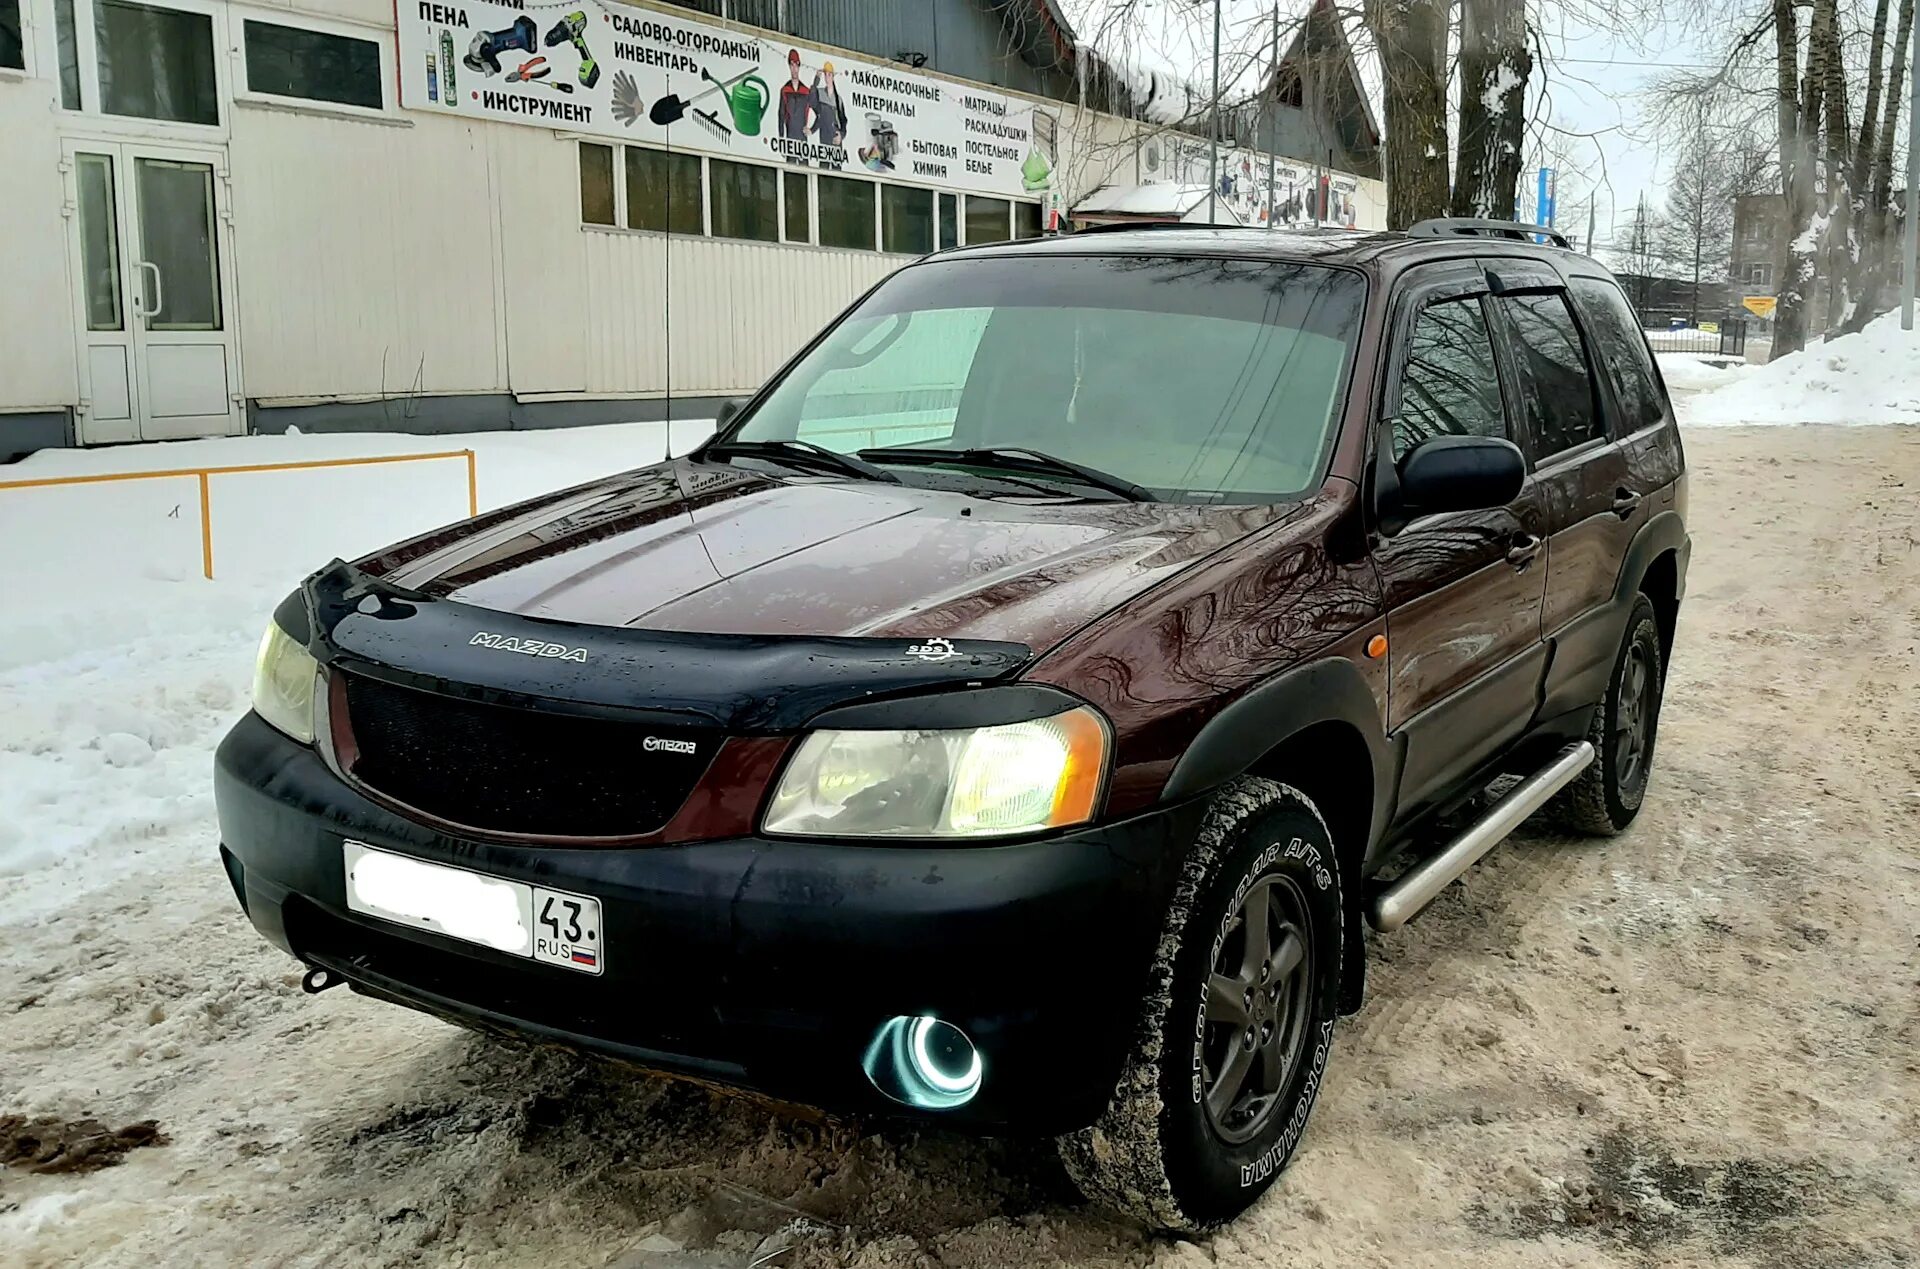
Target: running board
(1422,884)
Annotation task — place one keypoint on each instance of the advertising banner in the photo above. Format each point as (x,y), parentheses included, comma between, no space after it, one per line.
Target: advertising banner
(1298,193)
(625,73)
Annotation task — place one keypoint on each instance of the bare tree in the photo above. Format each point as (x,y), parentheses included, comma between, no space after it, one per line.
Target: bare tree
(1411,38)
(1494,66)
(1715,168)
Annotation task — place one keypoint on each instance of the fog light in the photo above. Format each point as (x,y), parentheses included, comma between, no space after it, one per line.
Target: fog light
(924,1062)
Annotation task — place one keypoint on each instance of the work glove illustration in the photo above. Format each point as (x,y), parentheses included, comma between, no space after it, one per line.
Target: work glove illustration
(626,99)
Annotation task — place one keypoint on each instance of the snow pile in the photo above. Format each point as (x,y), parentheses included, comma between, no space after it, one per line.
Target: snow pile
(1871,377)
(1685,372)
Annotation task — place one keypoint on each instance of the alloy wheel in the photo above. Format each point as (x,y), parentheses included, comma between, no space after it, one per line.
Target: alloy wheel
(1258,1001)
(1633,717)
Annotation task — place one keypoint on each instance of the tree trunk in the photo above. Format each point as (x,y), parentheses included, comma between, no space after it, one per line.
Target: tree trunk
(1842,248)
(1494,65)
(1796,185)
(1874,179)
(1412,39)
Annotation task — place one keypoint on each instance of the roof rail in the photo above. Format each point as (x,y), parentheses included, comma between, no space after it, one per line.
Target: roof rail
(1121,226)
(1463,227)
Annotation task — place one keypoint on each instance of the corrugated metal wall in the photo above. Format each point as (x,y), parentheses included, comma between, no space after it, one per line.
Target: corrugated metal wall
(366,256)
(38,358)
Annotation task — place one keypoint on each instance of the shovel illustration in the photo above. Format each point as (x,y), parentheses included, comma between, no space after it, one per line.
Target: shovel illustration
(672,109)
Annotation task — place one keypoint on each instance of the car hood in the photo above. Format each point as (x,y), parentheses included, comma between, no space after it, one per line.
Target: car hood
(693,547)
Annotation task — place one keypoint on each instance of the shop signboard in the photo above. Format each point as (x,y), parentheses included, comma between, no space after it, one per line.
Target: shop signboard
(1298,193)
(613,71)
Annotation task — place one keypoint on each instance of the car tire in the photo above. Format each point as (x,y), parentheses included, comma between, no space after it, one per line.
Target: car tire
(1608,794)
(1181,1147)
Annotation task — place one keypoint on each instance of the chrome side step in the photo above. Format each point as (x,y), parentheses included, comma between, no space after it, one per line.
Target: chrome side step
(1422,884)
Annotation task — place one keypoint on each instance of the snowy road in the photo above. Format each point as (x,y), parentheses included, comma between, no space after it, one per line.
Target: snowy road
(1698,1043)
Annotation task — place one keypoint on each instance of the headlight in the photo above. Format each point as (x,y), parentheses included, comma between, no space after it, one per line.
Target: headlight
(283,679)
(979,782)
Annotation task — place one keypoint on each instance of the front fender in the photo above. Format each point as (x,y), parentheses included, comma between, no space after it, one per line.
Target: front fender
(1266,715)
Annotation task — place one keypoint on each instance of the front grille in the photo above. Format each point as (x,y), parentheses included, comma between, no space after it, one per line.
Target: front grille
(504,769)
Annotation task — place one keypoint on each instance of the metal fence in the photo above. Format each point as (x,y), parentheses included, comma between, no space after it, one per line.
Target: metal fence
(1720,334)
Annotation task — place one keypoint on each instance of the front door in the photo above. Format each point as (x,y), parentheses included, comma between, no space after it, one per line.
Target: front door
(153,285)
(1463,589)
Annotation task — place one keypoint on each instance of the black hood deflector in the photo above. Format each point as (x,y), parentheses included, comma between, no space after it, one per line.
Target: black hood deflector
(743,684)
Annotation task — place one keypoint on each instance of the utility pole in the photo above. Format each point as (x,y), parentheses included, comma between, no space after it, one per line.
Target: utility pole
(1589,224)
(1913,188)
(1213,150)
(1273,86)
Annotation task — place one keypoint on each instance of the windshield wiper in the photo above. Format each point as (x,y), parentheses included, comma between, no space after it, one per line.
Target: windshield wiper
(802,454)
(1012,458)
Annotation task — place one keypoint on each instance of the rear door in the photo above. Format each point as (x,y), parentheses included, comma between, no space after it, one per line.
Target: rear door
(1579,468)
(1463,590)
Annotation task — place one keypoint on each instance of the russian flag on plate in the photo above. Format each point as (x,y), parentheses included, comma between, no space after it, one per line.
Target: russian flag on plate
(583,958)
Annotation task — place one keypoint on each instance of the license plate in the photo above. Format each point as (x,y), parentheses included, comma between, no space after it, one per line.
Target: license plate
(554,927)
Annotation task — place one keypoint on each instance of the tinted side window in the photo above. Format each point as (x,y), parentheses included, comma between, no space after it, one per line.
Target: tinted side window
(1622,349)
(1555,386)
(1450,386)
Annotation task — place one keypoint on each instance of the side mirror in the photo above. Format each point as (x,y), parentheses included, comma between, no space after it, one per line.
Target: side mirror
(1452,473)
(728,408)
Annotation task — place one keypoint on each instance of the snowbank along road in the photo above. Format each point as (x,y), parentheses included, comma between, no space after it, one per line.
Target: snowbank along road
(1695,1044)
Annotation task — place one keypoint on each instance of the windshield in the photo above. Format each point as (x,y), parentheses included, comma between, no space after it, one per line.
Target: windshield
(1196,379)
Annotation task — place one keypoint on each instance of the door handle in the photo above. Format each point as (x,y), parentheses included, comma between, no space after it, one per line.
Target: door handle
(1625,502)
(1522,550)
(147,266)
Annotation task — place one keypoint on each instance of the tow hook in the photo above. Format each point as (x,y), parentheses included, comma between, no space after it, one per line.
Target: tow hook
(319,980)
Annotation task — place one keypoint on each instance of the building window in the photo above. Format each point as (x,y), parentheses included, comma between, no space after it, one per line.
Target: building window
(799,206)
(155,63)
(663,191)
(596,184)
(906,220)
(949,220)
(69,47)
(1760,275)
(1026,220)
(846,213)
(99,240)
(746,201)
(292,61)
(13,46)
(988,219)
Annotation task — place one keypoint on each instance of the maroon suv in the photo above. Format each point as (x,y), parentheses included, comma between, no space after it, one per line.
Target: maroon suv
(1008,718)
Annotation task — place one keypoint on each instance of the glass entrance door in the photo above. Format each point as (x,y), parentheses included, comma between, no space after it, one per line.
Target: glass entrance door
(153,273)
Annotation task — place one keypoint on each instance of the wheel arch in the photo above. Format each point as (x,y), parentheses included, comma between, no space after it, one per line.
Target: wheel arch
(1317,728)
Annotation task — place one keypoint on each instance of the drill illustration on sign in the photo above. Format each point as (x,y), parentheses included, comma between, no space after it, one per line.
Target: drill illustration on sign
(572,30)
(484,53)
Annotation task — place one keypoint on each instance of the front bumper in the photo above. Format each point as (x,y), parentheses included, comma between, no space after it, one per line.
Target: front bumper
(766,964)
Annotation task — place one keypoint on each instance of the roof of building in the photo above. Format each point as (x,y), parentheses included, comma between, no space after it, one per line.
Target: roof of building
(1159,198)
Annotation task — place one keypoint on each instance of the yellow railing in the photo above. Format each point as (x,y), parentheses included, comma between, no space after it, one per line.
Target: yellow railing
(206,497)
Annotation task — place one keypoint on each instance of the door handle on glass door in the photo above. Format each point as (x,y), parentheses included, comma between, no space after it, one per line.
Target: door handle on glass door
(1625,502)
(145,266)
(1524,547)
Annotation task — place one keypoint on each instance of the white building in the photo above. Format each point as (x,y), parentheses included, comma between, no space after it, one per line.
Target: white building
(355,214)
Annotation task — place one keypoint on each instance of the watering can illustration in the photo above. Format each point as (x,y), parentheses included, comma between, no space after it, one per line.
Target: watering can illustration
(748,98)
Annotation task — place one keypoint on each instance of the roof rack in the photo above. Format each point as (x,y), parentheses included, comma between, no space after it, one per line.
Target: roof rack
(1463,227)
(1120,226)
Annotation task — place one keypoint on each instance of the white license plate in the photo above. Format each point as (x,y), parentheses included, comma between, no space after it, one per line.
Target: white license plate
(551,926)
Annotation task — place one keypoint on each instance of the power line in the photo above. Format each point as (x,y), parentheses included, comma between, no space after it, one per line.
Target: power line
(1608,61)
